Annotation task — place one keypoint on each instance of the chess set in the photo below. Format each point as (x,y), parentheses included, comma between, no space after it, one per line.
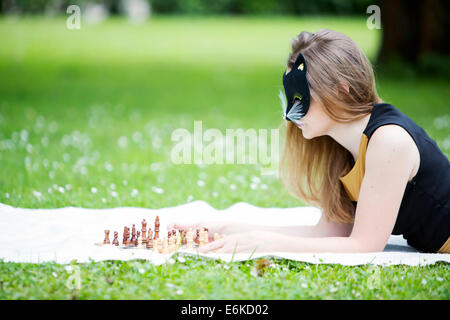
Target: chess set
(149,239)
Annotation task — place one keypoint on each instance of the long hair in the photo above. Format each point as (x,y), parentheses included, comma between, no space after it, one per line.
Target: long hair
(310,169)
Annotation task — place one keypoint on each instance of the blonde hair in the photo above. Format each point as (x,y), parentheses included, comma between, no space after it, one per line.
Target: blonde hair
(310,169)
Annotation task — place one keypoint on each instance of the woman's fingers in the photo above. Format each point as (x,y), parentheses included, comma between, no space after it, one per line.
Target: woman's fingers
(212,245)
(182,226)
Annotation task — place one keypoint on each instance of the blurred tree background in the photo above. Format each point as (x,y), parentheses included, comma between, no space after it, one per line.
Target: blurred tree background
(414,38)
(203,6)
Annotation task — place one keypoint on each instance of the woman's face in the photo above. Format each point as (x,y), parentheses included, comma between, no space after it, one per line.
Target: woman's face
(316,122)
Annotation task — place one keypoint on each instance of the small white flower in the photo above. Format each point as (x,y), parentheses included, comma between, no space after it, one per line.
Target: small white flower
(439,279)
(134,192)
(68,187)
(333,289)
(215,194)
(256,179)
(232,186)
(114,194)
(108,167)
(171,261)
(226,266)
(157,190)
(181,259)
(112,186)
(304,285)
(68,268)
(29,148)
(125,182)
(179,291)
(24,135)
(253,186)
(44,141)
(141,271)
(264,186)
(201,183)
(94,190)
(103,200)
(37,194)
(55,274)
(424,282)
(50,190)
(123,142)
(190,198)
(222,180)
(170,285)
(253,273)
(137,137)
(61,189)
(7,195)
(357,294)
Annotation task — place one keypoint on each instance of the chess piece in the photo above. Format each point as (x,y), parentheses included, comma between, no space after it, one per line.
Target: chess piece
(197,236)
(155,245)
(139,241)
(125,236)
(133,235)
(157,224)
(205,236)
(138,235)
(165,247)
(149,243)
(115,240)
(106,240)
(216,236)
(190,239)
(149,234)
(144,229)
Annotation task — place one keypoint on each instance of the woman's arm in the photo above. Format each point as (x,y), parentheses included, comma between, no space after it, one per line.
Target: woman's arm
(323,228)
(388,167)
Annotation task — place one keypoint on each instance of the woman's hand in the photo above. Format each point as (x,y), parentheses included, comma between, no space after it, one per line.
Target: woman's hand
(252,241)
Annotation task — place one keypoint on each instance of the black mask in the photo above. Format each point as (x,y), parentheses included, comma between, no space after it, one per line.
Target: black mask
(296,89)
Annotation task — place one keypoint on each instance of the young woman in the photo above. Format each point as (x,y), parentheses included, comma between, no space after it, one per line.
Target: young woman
(371,170)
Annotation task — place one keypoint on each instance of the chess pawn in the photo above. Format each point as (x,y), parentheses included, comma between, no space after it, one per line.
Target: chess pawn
(137,237)
(125,236)
(189,239)
(149,234)
(206,236)
(197,237)
(115,240)
(155,245)
(149,243)
(216,236)
(144,229)
(106,240)
(139,241)
(165,248)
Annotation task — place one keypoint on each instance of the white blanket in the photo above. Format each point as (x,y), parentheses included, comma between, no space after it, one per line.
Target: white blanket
(70,233)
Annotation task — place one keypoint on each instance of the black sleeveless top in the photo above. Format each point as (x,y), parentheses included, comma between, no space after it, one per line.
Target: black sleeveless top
(424,215)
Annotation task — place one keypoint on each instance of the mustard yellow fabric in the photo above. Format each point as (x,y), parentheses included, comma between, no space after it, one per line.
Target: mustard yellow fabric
(446,247)
(353,179)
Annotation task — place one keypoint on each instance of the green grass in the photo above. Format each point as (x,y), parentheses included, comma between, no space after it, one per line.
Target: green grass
(67,98)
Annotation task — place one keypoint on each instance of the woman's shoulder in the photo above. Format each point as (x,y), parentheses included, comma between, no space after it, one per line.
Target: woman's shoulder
(394,141)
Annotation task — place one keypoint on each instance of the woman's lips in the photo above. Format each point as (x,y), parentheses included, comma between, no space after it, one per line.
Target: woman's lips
(300,124)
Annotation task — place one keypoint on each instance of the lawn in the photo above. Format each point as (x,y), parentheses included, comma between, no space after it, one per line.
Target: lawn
(86,118)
